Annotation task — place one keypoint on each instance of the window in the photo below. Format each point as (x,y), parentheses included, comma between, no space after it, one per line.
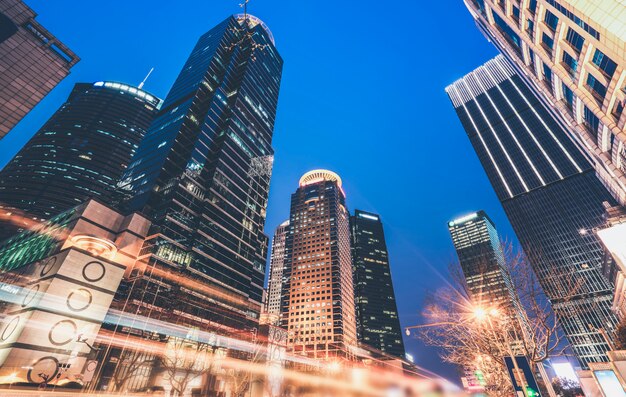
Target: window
(551,20)
(576,40)
(516,13)
(530,27)
(574,18)
(547,42)
(618,109)
(591,120)
(547,73)
(532,6)
(7,27)
(568,95)
(604,63)
(512,37)
(570,63)
(597,88)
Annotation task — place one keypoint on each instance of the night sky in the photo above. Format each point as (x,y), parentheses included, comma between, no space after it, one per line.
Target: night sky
(362,94)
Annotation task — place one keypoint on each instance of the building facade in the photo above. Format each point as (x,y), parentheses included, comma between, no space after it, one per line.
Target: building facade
(318,305)
(276,270)
(79,153)
(202,175)
(32,62)
(378,324)
(550,193)
(482,261)
(58,281)
(573,54)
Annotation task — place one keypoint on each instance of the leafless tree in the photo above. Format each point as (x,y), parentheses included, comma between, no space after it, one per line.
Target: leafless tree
(477,331)
(186,359)
(240,377)
(129,364)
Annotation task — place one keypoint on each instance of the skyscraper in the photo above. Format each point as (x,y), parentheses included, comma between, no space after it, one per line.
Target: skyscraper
(32,62)
(378,324)
(572,53)
(479,249)
(318,305)
(276,279)
(202,175)
(549,192)
(79,153)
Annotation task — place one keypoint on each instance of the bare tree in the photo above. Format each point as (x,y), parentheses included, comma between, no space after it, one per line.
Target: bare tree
(129,364)
(478,331)
(240,377)
(186,359)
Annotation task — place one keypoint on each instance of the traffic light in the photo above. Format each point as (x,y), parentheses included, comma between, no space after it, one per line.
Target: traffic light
(480,377)
(530,392)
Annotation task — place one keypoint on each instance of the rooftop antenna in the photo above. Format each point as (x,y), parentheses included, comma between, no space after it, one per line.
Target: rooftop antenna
(247,33)
(145,78)
(244,5)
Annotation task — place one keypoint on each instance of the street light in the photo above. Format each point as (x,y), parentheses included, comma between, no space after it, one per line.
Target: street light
(494,313)
(407,330)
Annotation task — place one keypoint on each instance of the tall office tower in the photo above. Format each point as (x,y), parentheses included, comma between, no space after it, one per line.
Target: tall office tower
(378,324)
(81,152)
(549,192)
(202,174)
(318,304)
(32,62)
(573,54)
(479,249)
(276,280)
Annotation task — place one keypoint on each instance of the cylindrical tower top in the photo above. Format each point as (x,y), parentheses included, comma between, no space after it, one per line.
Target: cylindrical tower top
(316,176)
(253,21)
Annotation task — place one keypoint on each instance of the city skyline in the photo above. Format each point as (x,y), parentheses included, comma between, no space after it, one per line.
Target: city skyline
(398,228)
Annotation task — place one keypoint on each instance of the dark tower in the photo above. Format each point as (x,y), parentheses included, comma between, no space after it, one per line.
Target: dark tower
(481,257)
(378,324)
(550,193)
(202,175)
(80,153)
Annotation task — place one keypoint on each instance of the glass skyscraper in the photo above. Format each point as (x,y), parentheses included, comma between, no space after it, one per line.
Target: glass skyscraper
(32,62)
(571,52)
(202,175)
(79,153)
(549,192)
(318,302)
(481,257)
(378,324)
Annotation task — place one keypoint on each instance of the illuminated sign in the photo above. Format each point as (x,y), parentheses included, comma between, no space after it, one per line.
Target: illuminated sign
(368,216)
(614,239)
(463,219)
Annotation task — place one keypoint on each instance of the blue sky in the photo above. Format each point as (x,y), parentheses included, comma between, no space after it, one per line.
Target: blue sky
(362,94)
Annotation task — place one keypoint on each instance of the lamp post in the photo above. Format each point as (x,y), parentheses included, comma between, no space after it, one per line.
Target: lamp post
(493,313)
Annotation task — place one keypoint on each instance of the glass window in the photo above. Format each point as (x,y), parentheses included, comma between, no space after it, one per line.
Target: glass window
(547,42)
(547,73)
(592,121)
(551,20)
(7,27)
(568,95)
(508,32)
(570,63)
(576,40)
(597,87)
(604,63)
